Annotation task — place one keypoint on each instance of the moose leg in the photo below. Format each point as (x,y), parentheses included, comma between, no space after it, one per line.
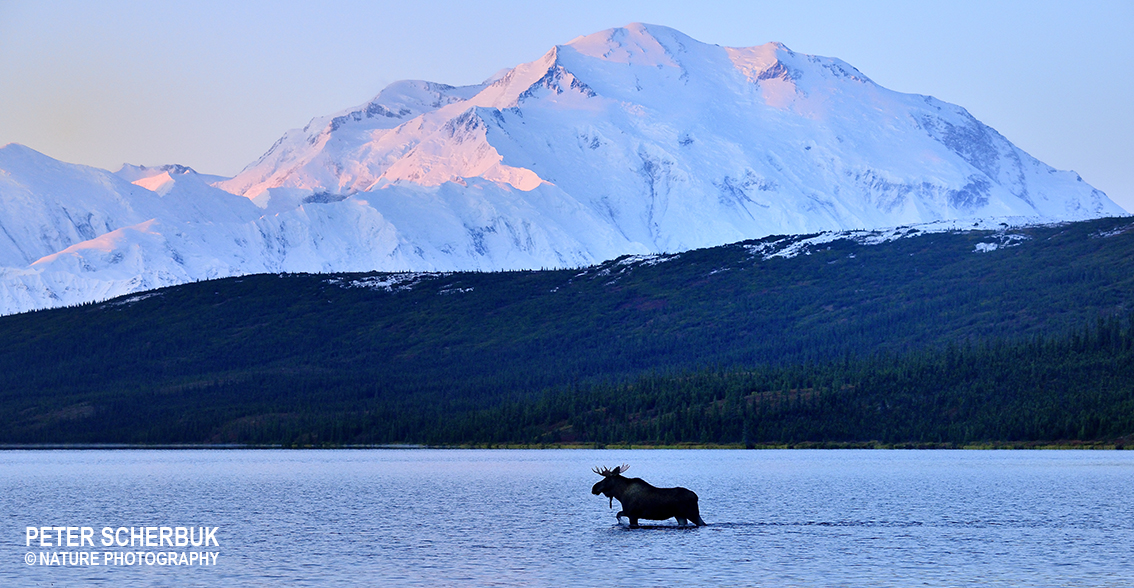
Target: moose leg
(694,514)
(682,522)
(696,518)
(619,516)
(633,522)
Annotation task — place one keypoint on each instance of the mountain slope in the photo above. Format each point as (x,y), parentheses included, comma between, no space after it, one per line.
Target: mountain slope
(382,357)
(73,233)
(47,205)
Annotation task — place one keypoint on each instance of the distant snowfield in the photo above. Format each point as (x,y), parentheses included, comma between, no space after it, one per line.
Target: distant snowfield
(636,140)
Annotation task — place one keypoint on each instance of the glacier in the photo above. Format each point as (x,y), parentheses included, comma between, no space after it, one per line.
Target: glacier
(636,140)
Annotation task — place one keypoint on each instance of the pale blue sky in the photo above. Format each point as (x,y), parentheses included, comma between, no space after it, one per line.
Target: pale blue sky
(213,84)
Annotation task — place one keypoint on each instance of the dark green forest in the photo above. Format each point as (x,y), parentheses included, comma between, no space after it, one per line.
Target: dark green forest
(934,340)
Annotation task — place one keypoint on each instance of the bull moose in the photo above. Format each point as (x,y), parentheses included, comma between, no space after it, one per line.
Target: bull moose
(640,500)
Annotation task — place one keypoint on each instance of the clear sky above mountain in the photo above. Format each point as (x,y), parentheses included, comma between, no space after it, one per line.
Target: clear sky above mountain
(213,84)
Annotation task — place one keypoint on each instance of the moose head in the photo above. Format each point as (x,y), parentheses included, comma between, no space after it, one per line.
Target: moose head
(609,484)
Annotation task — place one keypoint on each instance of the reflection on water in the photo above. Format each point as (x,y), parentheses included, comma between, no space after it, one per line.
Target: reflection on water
(504,518)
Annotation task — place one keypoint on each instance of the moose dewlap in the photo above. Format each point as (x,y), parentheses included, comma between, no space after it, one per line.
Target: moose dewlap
(641,500)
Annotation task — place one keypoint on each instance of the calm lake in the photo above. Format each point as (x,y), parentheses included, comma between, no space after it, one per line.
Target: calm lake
(527,518)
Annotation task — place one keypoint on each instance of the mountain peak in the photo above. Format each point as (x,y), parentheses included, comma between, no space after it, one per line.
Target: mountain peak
(133,173)
(635,44)
(20,154)
(14,148)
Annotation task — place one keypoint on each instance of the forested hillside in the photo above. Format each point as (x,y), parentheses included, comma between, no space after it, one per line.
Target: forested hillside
(1014,335)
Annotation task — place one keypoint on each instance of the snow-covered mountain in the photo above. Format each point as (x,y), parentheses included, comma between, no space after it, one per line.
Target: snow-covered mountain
(632,140)
(73,233)
(680,144)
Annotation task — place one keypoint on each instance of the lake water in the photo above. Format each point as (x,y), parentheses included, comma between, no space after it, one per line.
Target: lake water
(527,518)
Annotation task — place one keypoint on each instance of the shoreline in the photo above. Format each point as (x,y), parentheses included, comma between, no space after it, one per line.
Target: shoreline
(827,445)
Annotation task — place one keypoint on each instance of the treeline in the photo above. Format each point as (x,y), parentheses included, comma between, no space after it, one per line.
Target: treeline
(1078,386)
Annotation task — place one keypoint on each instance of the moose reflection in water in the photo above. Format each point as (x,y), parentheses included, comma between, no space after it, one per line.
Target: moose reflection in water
(640,500)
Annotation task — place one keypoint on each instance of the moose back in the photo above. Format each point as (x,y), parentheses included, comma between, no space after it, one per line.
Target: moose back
(640,500)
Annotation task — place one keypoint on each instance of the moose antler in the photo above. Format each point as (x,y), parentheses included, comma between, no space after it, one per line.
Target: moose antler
(609,472)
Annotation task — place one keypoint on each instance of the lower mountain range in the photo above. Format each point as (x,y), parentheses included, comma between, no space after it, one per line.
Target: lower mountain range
(1004,335)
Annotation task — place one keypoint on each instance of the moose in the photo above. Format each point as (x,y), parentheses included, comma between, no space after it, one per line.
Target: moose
(640,500)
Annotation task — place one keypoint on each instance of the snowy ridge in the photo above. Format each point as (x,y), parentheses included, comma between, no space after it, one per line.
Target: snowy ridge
(1004,235)
(389,282)
(788,247)
(631,141)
